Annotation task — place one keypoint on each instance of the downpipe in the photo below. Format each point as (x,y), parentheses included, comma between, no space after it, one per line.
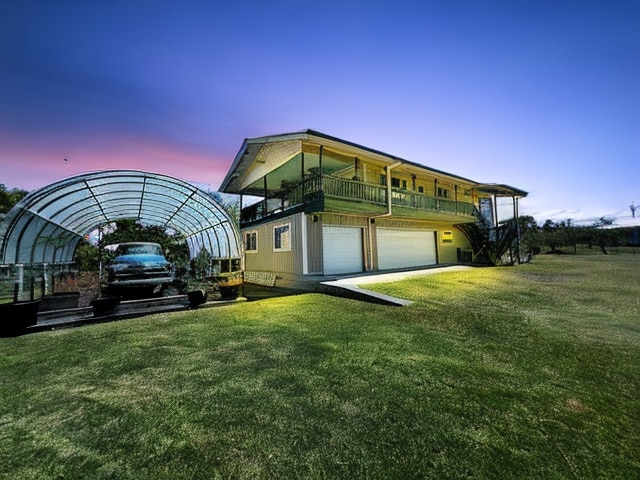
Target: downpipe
(388,213)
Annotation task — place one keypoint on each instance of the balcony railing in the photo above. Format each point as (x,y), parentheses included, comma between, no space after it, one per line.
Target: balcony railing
(341,188)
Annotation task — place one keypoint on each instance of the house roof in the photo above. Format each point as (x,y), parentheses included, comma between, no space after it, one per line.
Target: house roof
(251,148)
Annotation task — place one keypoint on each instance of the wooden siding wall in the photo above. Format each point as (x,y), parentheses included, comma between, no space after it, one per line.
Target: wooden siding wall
(314,244)
(265,259)
(448,252)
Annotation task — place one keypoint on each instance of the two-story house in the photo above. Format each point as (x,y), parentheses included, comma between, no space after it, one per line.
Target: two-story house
(329,206)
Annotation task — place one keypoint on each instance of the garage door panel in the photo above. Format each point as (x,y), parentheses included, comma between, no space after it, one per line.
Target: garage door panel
(405,248)
(342,250)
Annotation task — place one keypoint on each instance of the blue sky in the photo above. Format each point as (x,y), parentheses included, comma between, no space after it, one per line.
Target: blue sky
(541,95)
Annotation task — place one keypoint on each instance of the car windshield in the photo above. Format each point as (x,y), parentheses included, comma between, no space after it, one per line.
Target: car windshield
(139,250)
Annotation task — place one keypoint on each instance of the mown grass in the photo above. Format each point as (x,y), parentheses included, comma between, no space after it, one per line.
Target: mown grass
(522,372)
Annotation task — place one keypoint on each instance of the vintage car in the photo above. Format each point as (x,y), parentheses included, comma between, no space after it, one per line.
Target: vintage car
(138,267)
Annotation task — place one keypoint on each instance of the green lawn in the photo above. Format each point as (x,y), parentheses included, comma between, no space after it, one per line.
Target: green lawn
(521,372)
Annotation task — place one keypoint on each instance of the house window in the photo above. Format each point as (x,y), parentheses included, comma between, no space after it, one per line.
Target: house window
(282,238)
(466,192)
(251,242)
(395,182)
(443,192)
(420,189)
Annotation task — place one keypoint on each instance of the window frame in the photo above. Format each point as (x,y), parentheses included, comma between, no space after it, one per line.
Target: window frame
(247,245)
(443,192)
(280,229)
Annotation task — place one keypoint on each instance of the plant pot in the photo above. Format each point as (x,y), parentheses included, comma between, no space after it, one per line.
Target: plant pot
(196,297)
(17,317)
(60,301)
(229,292)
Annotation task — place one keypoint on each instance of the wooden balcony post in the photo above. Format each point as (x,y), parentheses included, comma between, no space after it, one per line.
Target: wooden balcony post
(302,176)
(264,202)
(320,167)
(455,196)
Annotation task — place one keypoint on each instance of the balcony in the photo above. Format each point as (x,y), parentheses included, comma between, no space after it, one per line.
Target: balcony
(339,195)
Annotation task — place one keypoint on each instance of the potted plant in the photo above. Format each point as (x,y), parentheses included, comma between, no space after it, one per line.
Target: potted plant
(229,285)
(197,297)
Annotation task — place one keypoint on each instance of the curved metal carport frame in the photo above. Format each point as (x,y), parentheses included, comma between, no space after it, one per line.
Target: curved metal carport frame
(49,223)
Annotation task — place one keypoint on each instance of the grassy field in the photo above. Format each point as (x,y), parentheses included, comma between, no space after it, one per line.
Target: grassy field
(514,372)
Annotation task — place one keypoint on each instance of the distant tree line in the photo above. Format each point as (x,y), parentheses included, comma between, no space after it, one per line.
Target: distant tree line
(564,236)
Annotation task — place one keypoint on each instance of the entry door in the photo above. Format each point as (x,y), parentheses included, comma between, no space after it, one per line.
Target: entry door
(342,250)
(405,248)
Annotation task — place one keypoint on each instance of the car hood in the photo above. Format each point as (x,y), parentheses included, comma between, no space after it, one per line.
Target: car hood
(142,260)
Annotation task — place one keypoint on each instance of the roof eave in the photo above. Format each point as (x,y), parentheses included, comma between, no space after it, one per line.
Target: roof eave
(500,190)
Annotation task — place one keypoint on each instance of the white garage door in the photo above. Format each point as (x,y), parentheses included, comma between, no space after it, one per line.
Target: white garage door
(405,248)
(342,250)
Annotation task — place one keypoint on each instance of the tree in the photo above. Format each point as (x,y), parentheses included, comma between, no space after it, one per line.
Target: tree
(9,198)
(606,237)
(551,235)
(87,257)
(566,233)
(530,235)
(231,207)
(201,265)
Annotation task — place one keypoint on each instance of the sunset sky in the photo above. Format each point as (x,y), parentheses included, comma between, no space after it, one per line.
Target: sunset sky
(543,95)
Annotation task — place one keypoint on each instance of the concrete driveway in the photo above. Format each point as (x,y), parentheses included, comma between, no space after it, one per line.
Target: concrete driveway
(352,284)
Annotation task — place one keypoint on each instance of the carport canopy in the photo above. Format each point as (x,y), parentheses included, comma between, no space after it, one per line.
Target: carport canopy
(49,223)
